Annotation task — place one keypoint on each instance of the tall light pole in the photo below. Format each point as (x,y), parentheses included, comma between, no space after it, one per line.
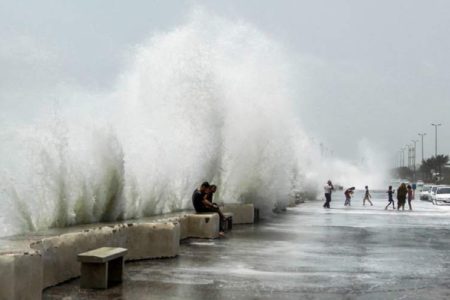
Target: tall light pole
(409,155)
(403,156)
(435,137)
(414,159)
(422,135)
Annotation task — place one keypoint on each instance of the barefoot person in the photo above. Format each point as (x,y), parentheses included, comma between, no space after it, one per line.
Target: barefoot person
(367,197)
(328,188)
(390,193)
(410,196)
(202,205)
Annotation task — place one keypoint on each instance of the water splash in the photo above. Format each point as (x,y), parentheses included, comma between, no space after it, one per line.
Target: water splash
(210,100)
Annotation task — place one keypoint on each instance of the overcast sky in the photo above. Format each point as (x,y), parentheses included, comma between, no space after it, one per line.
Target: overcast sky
(374,70)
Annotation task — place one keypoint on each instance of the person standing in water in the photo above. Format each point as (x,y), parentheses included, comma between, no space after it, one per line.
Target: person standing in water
(401,196)
(410,196)
(367,197)
(328,188)
(348,195)
(390,193)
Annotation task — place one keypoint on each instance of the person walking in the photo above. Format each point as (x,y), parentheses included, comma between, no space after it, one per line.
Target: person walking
(401,196)
(410,196)
(367,197)
(328,188)
(348,195)
(390,193)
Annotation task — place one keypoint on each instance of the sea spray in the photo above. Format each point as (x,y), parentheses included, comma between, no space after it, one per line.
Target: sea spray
(210,100)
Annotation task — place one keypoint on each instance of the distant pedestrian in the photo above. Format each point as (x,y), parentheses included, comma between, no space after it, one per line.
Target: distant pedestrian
(414,187)
(390,193)
(367,197)
(410,196)
(401,196)
(348,195)
(328,188)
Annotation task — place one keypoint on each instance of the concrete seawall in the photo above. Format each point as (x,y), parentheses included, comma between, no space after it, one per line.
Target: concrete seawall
(45,261)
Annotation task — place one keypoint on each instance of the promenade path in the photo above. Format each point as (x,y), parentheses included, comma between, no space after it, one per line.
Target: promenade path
(306,253)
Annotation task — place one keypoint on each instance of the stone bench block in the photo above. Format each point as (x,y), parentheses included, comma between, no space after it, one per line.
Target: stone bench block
(242,213)
(21,276)
(102,267)
(153,240)
(204,225)
(59,253)
(184,226)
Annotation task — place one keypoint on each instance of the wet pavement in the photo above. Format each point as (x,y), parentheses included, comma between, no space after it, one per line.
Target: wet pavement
(306,253)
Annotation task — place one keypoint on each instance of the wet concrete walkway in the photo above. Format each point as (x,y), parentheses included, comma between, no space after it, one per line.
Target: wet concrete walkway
(306,253)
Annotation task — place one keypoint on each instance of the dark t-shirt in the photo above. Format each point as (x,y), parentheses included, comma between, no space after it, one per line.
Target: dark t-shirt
(390,195)
(197,198)
(347,193)
(209,197)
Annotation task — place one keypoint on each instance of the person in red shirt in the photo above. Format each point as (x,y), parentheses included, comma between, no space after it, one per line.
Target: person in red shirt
(348,195)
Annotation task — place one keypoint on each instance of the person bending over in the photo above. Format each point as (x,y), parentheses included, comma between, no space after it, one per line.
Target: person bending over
(202,205)
(348,196)
(210,194)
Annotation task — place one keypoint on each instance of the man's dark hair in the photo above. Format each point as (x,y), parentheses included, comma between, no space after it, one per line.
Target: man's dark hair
(205,184)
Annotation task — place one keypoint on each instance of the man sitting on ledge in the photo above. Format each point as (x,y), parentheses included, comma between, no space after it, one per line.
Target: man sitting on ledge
(203,205)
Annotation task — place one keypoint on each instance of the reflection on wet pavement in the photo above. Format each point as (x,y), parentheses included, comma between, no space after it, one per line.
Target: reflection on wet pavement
(306,253)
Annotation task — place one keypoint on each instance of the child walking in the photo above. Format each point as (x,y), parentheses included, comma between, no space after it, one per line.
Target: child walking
(390,193)
(410,196)
(367,197)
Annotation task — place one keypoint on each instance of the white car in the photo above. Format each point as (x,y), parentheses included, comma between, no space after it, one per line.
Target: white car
(425,193)
(442,195)
(432,193)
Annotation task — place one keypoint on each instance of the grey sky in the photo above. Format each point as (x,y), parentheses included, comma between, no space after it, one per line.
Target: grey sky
(375,70)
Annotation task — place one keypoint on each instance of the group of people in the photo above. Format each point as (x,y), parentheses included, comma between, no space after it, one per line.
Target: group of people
(404,192)
(202,200)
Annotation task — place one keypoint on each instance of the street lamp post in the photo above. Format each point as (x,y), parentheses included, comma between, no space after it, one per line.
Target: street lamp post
(409,155)
(403,156)
(435,137)
(422,135)
(414,159)
(435,147)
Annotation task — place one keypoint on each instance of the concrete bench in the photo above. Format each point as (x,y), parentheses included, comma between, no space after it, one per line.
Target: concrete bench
(242,213)
(203,225)
(102,267)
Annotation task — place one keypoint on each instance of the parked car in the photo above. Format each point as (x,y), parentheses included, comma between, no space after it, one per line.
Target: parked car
(425,193)
(432,193)
(442,195)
